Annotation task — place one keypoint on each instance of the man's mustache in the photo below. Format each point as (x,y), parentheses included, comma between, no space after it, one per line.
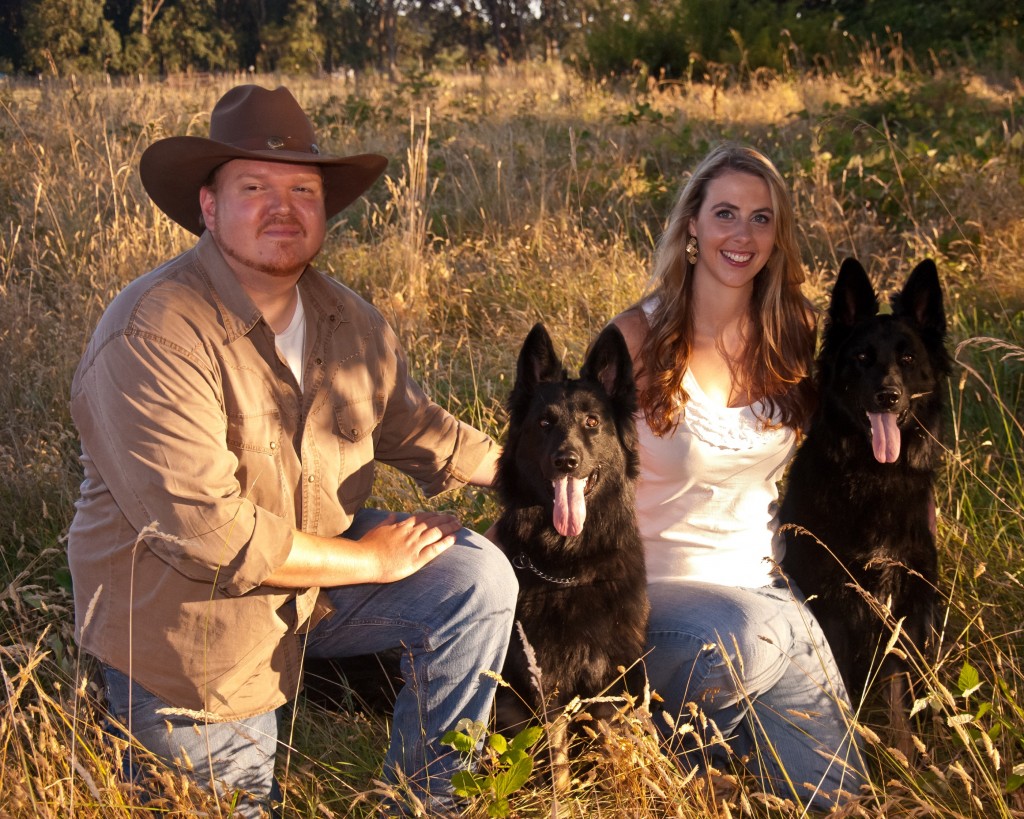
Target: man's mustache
(281,221)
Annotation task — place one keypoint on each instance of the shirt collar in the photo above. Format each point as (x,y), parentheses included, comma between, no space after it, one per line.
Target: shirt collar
(238,312)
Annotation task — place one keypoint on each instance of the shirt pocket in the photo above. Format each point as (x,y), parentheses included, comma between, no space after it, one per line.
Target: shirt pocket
(357,421)
(255,441)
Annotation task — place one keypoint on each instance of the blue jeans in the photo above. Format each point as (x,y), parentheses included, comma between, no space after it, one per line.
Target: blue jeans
(453,618)
(755,664)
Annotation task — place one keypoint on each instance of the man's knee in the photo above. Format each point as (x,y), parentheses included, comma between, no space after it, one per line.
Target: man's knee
(491,578)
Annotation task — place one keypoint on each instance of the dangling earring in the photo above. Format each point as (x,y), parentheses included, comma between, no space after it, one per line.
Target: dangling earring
(692,250)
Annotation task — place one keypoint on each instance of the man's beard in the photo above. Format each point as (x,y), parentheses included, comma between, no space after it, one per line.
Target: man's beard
(283,268)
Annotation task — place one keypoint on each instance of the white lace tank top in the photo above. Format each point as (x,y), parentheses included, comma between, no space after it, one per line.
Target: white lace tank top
(707,497)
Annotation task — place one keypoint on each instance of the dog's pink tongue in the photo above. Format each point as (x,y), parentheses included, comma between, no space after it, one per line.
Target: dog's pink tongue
(885,437)
(570,506)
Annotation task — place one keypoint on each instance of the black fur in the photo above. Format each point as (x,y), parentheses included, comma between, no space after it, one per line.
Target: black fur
(582,597)
(874,520)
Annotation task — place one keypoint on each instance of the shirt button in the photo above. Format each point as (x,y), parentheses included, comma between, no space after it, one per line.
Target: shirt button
(273,444)
(319,362)
(311,479)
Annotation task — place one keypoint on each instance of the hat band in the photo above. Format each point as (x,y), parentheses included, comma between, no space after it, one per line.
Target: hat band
(277,143)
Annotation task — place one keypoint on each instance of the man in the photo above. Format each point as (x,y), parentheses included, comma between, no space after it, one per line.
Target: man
(231,405)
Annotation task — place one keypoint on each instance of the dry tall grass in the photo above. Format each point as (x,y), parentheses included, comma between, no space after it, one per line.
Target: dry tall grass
(515,196)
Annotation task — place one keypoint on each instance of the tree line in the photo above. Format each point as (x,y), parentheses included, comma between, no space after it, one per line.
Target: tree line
(667,37)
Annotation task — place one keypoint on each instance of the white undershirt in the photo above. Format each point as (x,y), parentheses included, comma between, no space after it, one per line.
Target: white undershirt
(291,342)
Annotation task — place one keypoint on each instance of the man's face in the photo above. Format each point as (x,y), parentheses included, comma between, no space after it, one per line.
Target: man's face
(266,217)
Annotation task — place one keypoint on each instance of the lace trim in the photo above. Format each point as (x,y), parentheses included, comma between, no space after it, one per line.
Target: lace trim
(737,432)
(725,427)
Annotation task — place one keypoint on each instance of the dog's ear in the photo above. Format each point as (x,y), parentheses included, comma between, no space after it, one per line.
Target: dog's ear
(609,363)
(920,301)
(853,297)
(537,360)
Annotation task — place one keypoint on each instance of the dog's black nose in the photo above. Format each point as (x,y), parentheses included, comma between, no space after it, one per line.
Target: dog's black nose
(887,398)
(567,461)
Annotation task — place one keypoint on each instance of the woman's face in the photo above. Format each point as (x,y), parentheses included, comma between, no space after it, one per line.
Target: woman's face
(735,229)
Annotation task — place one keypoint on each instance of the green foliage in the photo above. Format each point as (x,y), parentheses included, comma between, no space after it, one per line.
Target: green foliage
(506,764)
(693,39)
(70,36)
(208,47)
(981,28)
(295,46)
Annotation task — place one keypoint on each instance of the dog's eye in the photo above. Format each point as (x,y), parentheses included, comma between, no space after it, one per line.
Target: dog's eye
(907,358)
(861,357)
(544,423)
(591,422)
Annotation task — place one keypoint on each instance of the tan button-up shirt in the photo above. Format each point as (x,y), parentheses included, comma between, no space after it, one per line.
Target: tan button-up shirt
(192,424)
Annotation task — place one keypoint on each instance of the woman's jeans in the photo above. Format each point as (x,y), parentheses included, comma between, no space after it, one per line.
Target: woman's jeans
(453,618)
(751,667)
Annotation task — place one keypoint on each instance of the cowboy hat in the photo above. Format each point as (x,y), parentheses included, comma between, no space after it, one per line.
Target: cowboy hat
(249,122)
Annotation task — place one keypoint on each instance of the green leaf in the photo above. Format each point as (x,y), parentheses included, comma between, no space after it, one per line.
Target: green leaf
(63,578)
(1010,696)
(497,742)
(509,781)
(467,783)
(527,738)
(460,742)
(498,808)
(512,756)
(969,680)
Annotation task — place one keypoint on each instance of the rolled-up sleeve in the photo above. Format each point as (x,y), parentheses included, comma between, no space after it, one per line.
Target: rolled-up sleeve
(152,422)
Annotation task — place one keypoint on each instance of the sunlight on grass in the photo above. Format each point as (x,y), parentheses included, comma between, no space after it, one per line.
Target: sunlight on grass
(513,196)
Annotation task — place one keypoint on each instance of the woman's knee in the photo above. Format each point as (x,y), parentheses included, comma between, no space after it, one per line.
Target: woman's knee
(723,639)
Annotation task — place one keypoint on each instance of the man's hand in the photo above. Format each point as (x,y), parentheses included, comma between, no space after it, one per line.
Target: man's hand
(402,547)
(390,551)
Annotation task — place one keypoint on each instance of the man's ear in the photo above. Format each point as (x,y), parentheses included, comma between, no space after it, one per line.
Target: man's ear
(208,205)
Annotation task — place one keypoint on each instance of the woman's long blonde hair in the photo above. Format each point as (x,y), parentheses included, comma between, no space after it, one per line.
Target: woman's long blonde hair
(775,367)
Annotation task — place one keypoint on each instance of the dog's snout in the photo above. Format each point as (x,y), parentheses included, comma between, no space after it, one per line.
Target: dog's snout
(567,461)
(887,398)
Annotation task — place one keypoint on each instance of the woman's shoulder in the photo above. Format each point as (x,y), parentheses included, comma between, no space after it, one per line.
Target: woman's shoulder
(633,324)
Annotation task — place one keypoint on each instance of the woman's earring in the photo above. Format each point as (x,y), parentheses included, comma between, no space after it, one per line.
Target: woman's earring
(692,250)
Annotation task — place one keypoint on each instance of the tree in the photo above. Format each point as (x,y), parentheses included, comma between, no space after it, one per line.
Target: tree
(69,36)
(295,45)
(156,42)
(509,22)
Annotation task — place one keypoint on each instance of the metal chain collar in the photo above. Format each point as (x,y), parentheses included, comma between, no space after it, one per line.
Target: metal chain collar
(521,561)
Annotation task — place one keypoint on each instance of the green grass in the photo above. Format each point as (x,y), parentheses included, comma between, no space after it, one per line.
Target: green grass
(515,196)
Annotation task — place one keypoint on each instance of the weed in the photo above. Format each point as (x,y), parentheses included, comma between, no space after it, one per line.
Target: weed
(534,194)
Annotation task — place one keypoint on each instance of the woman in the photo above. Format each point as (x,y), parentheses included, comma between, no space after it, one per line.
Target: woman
(723,348)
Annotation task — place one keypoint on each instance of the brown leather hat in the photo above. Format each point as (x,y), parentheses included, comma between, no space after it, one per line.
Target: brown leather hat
(249,122)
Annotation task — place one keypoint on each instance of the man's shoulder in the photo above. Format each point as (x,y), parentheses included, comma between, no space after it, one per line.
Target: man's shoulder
(173,298)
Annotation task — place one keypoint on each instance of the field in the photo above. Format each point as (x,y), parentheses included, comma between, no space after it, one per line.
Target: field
(513,196)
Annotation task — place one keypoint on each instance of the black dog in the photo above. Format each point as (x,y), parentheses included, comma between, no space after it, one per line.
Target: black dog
(859,493)
(566,480)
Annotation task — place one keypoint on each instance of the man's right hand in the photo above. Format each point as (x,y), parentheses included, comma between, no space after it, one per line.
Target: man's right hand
(405,545)
(392,550)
